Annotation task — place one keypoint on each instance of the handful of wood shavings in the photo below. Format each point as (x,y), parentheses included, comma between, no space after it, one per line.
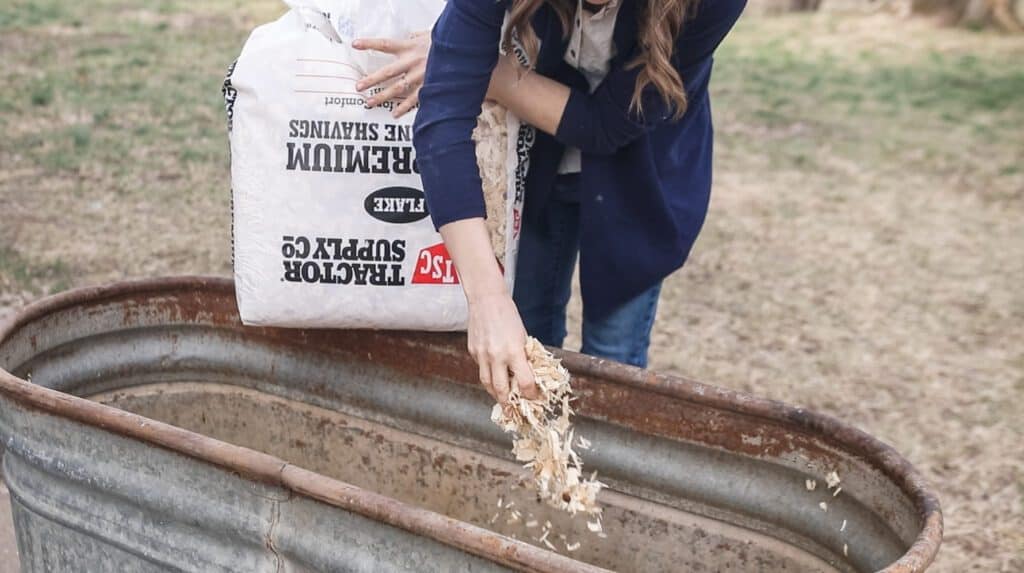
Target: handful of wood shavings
(544,440)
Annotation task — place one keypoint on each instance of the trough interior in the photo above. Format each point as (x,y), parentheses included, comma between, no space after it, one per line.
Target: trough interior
(455,481)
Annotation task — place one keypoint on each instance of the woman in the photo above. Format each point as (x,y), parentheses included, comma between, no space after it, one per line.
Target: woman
(620,172)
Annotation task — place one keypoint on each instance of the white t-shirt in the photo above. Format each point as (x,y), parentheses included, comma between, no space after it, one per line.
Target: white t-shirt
(590,51)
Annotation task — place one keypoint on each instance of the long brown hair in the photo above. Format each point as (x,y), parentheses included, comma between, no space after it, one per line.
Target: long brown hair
(659,23)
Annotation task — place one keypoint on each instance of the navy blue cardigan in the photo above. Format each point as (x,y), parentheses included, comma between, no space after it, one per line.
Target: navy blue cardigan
(646,180)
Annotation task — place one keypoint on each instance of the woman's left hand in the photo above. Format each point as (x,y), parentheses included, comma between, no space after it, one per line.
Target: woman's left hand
(410,67)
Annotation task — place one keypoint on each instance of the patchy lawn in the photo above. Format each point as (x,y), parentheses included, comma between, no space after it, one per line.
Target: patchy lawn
(863,256)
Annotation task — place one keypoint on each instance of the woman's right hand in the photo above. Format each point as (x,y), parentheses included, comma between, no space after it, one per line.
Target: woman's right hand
(497,340)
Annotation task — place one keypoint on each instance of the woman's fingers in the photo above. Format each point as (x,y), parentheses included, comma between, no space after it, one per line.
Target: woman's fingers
(392,70)
(485,378)
(386,45)
(413,83)
(523,377)
(499,379)
(408,104)
(394,91)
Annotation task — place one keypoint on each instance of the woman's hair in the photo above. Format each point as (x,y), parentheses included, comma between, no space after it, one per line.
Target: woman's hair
(660,23)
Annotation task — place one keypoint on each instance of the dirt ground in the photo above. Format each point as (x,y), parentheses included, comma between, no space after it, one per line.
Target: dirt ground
(863,257)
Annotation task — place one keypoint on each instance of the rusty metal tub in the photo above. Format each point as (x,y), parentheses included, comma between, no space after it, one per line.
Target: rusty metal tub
(147,430)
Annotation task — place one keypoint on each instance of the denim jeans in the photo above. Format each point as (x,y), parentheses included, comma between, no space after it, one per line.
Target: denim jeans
(548,249)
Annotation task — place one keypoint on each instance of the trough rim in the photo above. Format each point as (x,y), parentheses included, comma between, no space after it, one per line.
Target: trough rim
(469,538)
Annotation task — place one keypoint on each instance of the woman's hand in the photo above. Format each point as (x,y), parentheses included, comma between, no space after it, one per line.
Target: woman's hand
(497,340)
(410,66)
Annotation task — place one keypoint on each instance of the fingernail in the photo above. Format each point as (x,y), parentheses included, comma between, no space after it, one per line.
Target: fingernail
(360,86)
(357,43)
(371,101)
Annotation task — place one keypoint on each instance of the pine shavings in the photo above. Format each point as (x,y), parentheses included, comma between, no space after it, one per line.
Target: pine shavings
(491,138)
(823,506)
(832,479)
(810,484)
(544,439)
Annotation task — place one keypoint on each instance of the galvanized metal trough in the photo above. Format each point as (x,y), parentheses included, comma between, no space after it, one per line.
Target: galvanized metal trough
(147,430)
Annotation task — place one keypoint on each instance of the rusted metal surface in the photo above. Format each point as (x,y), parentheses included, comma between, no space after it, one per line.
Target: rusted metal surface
(716,473)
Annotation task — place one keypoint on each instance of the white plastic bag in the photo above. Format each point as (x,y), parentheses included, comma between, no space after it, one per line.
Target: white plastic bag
(330,226)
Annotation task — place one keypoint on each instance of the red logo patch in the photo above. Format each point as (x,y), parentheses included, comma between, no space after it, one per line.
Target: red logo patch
(434,266)
(517,223)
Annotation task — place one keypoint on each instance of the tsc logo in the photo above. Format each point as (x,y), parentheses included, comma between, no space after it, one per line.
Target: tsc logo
(396,205)
(434,266)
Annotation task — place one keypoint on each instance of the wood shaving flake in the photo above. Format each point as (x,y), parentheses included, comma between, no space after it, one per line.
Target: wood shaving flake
(832,479)
(810,484)
(823,506)
(544,437)
(846,550)
(843,528)
(838,489)
(572,546)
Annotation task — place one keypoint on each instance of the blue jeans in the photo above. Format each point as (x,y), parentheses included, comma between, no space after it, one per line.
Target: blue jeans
(548,249)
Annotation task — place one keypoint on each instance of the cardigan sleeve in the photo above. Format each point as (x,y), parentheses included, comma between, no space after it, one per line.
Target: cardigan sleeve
(463,53)
(602,122)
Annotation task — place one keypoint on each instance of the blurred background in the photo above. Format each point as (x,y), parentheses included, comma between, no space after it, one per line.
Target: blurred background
(864,254)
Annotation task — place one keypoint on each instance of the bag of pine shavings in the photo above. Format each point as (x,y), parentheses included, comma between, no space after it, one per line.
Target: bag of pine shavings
(544,439)
(329,219)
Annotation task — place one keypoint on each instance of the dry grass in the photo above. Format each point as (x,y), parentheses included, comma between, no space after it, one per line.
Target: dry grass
(863,255)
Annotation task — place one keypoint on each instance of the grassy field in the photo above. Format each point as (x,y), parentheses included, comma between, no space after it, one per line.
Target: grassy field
(864,255)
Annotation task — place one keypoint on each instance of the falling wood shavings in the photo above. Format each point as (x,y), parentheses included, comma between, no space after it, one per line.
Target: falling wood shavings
(838,489)
(823,506)
(544,438)
(810,484)
(843,528)
(846,550)
(832,479)
(572,546)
